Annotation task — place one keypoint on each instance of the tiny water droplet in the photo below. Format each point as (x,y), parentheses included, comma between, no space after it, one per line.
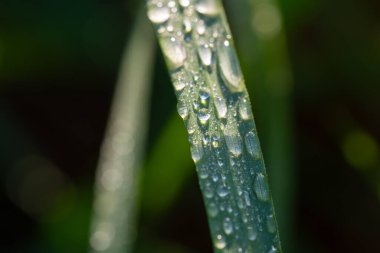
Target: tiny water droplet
(174,51)
(196,151)
(227,226)
(220,242)
(252,233)
(201,27)
(252,144)
(208,192)
(271,224)
(205,54)
(229,66)
(261,187)
(182,109)
(222,191)
(207,7)
(245,109)
(158,13)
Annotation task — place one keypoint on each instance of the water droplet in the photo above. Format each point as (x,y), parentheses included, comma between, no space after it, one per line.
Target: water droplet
(196,151)
(174,51)
(252,144)
(208,192)
(205,54)
(212,210)
(192,124)
(203,173)
(221,106)
(187,25)
(158,13)
(271,224)
(261,187)
(232,136)
(203,115)
(245,111)
(229,66)
(222,191)
(215,177)
(227,226)
(220,242)
(247,198)
(184,3)
(201,27)
(252,233)
(204,96)
(182,109)
(207,7)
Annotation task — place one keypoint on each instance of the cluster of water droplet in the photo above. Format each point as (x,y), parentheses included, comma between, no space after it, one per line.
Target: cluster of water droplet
(214,104)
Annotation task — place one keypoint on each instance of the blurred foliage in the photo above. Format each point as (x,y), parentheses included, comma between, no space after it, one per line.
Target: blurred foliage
(58,66)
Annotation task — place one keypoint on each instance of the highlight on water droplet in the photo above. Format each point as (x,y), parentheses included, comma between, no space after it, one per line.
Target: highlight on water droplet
(220,242)
(261,187)
(227,226)
(158,13)
(252,144)
(229,66)
(174,51)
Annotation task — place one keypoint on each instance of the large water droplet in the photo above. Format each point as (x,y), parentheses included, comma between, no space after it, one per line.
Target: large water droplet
(271,224)
(174,51)
(229,66)
(207,7)
(220,242)
(222,191)
(245,109)
(252,233)
(158,13)
(261,187)
(205,54)
(252,144)
(227,226)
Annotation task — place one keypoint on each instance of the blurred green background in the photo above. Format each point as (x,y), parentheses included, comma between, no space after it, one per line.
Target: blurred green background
(58,67)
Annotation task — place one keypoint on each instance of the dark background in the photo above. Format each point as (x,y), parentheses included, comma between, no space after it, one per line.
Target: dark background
(58,66)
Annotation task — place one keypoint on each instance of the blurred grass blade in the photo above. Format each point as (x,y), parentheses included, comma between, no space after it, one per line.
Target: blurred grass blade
(116,181)
(214,103)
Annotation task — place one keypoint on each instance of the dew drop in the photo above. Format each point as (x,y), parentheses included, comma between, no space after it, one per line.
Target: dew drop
(174,51)
(252,233)
(203,115)
(182,109)
(222,191)
(207,7)
(196,151)
(208,192)
(158,13)
(261,187)
(192,124)
(232,136)
(201,27)
(229,66)
(221,106)
(271,224)
(252,144)
(245,109)
(184,3)
(273,250)
(202,171)
(220,242)
(212,210)
(187,25)
(205,54)
(247,198)
(227,226)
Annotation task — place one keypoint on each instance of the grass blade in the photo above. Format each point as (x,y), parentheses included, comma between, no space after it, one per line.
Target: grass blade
(117,176)
(214,103)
